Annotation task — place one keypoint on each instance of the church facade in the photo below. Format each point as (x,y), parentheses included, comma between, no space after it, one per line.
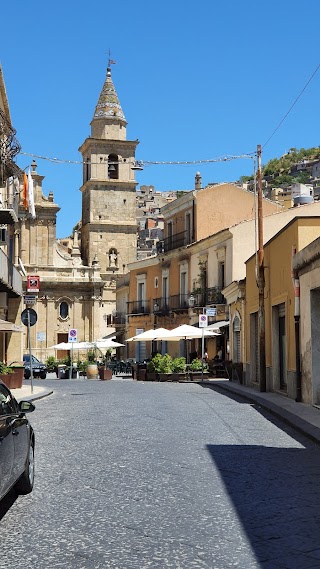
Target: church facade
(78,279)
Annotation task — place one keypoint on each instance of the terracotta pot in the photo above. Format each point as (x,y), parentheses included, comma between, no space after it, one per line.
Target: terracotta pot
(92,371)
(105,373)
(12,380)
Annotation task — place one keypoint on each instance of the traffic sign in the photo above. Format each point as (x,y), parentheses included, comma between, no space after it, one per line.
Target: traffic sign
(33,284)
(30,299)
(203,320)
(211,311)
(28,315)
(72,335)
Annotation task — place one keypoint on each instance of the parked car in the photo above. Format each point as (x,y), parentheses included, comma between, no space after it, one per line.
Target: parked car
(16,444)
(39,369)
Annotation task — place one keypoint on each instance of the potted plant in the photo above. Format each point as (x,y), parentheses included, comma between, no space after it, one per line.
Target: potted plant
(105,372)
(52,364)
(7,376)
(198,368)
(92,368)
(165,368)
(154,367)
(179,369)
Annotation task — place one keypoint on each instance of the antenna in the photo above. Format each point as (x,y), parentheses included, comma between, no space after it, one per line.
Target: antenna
(110,61)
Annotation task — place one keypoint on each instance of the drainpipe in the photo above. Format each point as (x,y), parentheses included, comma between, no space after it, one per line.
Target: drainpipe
(296,288)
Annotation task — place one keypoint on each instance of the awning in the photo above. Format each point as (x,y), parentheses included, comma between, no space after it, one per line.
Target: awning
(6,326)
(217,325)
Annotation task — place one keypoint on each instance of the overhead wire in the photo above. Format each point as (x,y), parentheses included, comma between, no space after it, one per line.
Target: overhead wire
(293,104)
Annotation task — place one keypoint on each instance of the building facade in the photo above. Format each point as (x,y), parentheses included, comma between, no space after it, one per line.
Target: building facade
(78,275)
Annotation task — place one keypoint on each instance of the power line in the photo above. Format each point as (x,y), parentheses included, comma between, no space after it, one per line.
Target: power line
(293,104)
(143,163)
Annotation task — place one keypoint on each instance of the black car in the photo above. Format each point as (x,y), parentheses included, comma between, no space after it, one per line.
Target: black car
(16,444)
(39,369)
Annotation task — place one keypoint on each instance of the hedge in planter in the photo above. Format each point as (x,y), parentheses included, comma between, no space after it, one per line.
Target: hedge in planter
(179,368)
(196,368)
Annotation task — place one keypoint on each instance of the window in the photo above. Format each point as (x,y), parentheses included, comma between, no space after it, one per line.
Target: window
(113,167)
(236,340)
(7,404)
(64,310)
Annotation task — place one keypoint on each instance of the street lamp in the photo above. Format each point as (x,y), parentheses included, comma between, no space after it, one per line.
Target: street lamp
(191,301)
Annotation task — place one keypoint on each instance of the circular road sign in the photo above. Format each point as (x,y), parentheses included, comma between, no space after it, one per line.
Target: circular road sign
(32,316)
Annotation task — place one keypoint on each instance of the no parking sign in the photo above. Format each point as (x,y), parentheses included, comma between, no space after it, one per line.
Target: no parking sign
(72,335)
(203,320)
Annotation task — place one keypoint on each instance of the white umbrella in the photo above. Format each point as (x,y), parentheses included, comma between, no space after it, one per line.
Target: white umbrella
(106,344)
(72,345)
(154,334)
(187,332)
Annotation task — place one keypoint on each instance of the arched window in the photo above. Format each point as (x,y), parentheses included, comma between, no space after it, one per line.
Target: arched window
(113,167)
(64,310)
(236,339)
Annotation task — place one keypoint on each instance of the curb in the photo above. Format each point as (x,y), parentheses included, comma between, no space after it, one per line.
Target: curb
(291,419)
(35,397)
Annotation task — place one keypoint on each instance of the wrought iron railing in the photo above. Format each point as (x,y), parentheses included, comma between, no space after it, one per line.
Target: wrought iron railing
(174,242)
(138,307)
(208,296)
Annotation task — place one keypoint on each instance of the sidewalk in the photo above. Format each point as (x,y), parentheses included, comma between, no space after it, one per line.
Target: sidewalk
(25,393)
(304,418)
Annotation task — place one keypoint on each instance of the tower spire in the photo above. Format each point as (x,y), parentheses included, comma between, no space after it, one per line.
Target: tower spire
(108,106)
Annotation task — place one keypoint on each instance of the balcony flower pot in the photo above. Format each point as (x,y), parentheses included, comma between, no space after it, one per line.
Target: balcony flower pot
(105,373)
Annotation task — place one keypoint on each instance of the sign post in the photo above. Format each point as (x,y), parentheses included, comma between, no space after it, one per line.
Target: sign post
(72,337)
(29,317)
(203,323)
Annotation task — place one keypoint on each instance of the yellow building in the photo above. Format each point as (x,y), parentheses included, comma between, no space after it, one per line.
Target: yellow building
(160,287)
(306,264)
(281,372)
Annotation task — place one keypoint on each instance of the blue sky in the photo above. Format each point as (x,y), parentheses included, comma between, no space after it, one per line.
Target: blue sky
(196,81)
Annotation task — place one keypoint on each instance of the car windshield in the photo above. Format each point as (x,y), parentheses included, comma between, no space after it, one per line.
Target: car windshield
(26,359)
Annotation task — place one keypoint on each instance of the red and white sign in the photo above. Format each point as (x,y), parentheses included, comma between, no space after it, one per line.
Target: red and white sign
(72,335)
(33,284)
(203,320)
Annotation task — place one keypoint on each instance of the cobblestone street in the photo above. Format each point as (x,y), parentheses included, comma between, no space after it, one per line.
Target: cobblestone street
(131,475)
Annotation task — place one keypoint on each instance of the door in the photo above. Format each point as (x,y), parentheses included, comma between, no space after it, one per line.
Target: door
(62,337)
(282,352)
(6,444)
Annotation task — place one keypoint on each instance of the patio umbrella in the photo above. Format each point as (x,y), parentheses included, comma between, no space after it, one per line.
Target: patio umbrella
(187,332)
(106,344)
(72,345)
(154,334)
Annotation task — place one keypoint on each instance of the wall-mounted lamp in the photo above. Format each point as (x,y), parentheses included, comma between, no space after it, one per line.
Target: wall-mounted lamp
(191,301)
(156,307)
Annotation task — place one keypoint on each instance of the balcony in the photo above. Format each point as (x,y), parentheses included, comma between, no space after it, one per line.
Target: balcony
(119,318)
(172,303)
(208,296)
(10,278)
(9,201)
(138,307)
(174,242)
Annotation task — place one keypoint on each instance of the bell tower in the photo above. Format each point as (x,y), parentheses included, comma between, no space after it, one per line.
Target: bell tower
(109,227)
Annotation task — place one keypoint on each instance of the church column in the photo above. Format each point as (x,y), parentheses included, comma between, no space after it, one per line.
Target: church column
(51,240)
(16,247)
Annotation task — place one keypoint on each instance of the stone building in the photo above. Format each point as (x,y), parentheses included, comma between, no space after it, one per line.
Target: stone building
(78,275)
